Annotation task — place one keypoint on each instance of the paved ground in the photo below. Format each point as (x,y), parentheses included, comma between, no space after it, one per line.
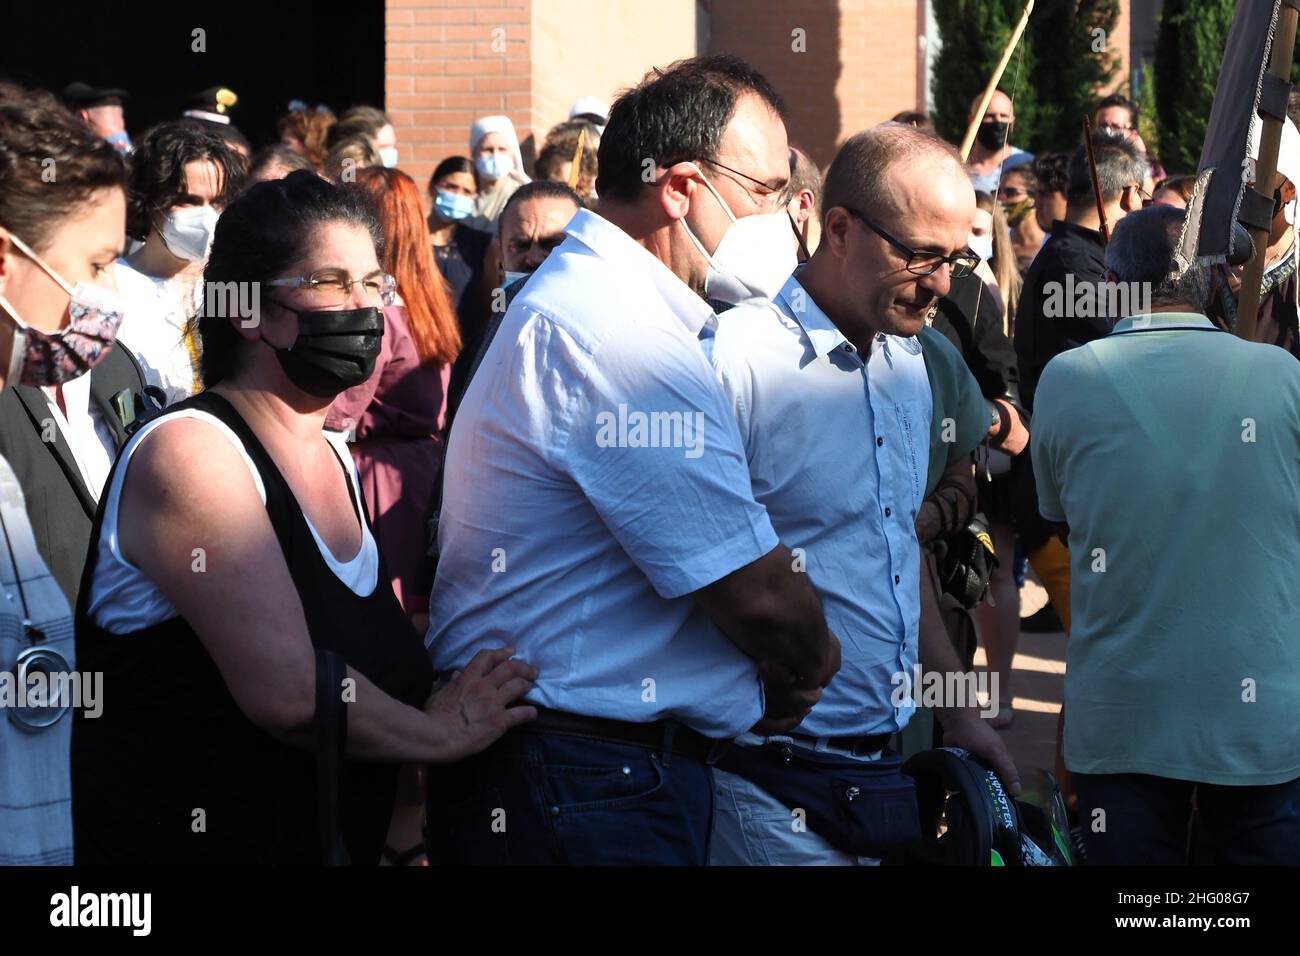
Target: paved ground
(1038,684)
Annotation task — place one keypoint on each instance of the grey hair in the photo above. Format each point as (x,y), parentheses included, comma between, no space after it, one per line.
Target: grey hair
(1119,164)
(1141,250)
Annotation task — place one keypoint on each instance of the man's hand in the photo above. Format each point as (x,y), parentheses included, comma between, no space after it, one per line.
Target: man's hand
(1016,439)
(965,728)
(788,700)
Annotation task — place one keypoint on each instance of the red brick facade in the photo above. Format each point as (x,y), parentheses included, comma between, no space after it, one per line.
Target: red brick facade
(843,65)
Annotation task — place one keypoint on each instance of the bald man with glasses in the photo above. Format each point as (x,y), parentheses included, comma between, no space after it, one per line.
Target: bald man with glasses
(830,388)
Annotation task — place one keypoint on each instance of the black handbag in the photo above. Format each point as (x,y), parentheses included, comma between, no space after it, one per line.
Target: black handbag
(966,561)
(861,807)
(331,741)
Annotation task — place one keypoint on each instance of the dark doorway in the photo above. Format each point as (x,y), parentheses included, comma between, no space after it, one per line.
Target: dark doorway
(267,52)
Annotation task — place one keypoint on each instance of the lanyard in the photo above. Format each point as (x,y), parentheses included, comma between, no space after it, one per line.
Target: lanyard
(37,657)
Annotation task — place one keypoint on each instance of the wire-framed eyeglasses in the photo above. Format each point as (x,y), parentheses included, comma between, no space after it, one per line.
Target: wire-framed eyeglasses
(917,262)
(331,287)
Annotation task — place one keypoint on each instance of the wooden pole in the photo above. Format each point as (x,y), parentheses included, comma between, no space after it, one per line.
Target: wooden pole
(1270,141)
(969,139)
(576,170)
(1096,182)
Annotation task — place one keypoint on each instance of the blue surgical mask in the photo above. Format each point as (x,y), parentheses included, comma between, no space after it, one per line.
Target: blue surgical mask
(982,246)
(453,206)
(120,141)
(495,166)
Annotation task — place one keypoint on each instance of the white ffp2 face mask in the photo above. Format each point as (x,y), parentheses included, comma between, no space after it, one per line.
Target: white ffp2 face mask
(754,258)
(188,232)
(388,156)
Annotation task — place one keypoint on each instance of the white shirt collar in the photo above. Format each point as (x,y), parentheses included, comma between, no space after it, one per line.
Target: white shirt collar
(623,252)
(823,334)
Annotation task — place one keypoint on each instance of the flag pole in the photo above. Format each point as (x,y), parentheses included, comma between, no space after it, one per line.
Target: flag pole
(969,139)
(1270,141)
(1096,182)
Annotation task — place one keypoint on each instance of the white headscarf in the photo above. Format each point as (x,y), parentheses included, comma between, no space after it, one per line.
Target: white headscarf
(1288,164)
(502,125)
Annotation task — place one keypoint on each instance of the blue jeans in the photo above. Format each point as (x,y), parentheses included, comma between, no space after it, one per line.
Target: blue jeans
(554,799)
(1146,820)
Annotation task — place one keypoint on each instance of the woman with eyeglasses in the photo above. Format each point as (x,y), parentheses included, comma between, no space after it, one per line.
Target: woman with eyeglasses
(232,555)
(59,313)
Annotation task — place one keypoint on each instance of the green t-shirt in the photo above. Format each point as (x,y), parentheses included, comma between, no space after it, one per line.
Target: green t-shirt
(960,417)
(1172,450)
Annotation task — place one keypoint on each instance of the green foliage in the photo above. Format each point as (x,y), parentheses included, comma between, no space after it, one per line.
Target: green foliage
(1189,52)
(1148,127)
(1061,62)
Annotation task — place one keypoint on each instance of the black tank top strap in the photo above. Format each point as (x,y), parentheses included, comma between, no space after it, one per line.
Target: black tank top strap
(174,742)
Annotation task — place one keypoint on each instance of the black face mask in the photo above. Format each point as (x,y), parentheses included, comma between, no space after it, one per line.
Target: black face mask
(993,136)
(334,350)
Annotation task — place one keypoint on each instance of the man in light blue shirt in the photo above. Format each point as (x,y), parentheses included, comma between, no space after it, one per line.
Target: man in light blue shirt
(597,513)
(829,387)
(1169,451)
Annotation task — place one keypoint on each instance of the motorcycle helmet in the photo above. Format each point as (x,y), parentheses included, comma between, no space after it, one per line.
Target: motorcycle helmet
(968,818)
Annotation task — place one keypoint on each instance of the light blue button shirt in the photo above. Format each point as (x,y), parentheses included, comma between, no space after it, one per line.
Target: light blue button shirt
(838,449)
(595,479)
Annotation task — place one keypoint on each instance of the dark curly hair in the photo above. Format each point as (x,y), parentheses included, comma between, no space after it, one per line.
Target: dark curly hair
(158,171)
(1052,171)
(51,163)
(262,233)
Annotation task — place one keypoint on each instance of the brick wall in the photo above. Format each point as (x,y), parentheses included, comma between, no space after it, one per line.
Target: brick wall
(854,64)
(599,47)
(448,62)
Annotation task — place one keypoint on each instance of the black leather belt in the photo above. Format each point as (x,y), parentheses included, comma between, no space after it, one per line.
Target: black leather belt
(667,736)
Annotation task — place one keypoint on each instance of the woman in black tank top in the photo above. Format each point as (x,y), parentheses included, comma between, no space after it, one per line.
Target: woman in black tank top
(203,752)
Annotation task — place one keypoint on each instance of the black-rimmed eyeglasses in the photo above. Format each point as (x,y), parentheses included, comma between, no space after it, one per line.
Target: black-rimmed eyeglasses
(921,263)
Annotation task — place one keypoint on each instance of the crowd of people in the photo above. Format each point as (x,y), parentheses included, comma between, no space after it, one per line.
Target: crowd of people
(591,516)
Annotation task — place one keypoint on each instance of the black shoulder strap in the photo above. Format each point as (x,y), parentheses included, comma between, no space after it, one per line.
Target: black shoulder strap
(331,740)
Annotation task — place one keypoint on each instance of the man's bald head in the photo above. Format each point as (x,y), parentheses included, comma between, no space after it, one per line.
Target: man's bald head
(999,108)
(859,177)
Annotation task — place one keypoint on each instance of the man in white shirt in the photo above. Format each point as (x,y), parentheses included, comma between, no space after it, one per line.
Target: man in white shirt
(829,386)
(597,514)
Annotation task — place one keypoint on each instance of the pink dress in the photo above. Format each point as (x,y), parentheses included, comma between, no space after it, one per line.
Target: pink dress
(398,414)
